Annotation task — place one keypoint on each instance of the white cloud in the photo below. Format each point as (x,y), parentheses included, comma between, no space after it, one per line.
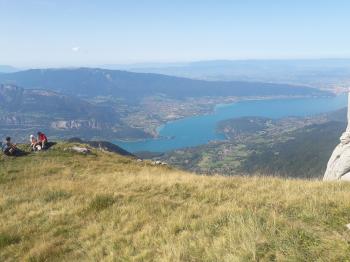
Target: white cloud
(76,48)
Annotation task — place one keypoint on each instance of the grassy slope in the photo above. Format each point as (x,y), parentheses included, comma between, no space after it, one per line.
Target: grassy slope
(58,205)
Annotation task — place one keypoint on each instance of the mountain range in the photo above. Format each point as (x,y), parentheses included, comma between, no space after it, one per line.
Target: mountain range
(88,82)
(25,111)
(326,73)
(110,104)
(7,69)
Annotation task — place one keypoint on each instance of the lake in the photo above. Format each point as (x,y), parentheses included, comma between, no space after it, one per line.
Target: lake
(198,130)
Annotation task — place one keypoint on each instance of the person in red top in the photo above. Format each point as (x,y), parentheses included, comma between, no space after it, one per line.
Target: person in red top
(42,140)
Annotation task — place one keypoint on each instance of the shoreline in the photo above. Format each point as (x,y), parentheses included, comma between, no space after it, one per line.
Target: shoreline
(158,128)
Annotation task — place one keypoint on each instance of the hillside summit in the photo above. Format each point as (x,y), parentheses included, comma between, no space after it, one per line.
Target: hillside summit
(62,205)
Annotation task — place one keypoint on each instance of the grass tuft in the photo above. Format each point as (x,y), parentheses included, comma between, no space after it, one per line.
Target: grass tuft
(8,239)
(51,196)
(101,202)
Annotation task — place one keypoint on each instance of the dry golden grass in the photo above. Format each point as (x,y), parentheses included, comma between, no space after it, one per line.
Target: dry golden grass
(58,205)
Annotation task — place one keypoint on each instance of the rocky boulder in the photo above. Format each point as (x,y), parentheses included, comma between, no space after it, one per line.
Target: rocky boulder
(338,167)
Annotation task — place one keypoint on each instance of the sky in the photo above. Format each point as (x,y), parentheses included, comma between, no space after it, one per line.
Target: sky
(95,32)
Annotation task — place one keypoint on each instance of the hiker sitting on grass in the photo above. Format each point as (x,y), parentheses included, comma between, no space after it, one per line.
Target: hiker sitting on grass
(34,143)
(42,140)
(8,148)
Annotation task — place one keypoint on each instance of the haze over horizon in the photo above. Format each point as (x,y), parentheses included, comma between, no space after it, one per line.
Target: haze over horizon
(64,33)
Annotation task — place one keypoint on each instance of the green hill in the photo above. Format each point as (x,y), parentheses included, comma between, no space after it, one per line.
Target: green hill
(60,205)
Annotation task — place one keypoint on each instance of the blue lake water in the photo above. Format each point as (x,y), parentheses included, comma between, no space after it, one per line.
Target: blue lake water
(198,130)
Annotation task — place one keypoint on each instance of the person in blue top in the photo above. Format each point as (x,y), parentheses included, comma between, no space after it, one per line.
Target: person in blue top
(8,148)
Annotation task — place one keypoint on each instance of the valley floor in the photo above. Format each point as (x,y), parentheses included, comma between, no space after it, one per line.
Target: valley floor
(59,205)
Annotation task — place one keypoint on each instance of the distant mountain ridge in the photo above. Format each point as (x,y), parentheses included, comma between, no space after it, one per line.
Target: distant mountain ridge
(30,110)
(311,72)
(7,69)
(14,99)
(90,82)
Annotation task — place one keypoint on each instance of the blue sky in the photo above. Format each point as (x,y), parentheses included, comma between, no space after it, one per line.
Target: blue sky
(95,32)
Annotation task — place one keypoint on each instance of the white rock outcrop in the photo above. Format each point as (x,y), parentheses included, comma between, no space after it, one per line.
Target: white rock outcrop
(78,149)
(338,167)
